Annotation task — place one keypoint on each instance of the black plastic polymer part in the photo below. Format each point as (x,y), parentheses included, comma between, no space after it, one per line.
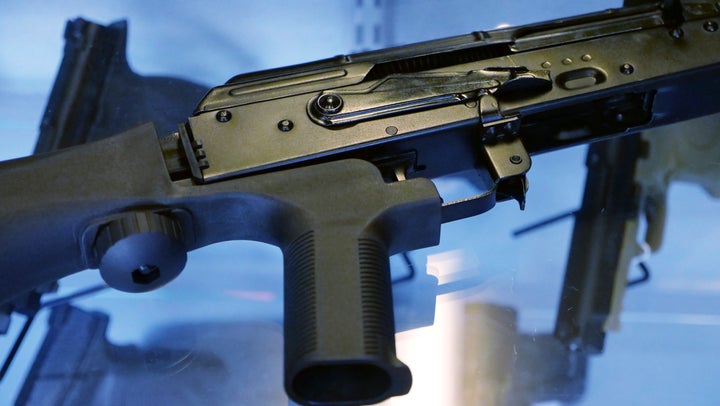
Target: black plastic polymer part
(95,78)
(339,323)
(609,201)
(355,226)
(354,361)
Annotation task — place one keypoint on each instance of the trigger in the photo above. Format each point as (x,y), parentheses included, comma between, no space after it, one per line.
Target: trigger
(515,187)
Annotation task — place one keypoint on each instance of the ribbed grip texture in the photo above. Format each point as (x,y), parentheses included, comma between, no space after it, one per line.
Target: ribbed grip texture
(339,329)
(377,310)
(300,297)
(140,250)
(135,222)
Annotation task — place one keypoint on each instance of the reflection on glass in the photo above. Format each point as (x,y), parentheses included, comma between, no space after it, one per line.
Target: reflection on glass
(476,321)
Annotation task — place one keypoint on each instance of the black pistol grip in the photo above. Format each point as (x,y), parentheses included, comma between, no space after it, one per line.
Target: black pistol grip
(339,322)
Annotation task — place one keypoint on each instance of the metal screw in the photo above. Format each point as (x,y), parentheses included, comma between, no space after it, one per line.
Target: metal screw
(516,159)
(223,116)
(677,33)
(627,69)
(391,130)
(567,61)
(329,103)
(285,125)
(546,64)
(586,58)
(710,26)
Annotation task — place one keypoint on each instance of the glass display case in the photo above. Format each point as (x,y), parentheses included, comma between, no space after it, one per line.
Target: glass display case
(480,318)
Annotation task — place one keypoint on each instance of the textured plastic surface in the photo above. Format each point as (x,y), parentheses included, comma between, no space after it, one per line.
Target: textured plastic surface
(339,324)
(140,251)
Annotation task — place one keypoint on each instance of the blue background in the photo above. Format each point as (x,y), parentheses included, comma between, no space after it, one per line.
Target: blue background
(666,351)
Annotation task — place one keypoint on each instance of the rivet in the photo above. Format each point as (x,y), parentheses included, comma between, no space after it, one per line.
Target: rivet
(223,116)
(391,130)
(285,125)
(677,33)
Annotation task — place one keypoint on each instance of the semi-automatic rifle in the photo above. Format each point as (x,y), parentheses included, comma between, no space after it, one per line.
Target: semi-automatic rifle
(333,161)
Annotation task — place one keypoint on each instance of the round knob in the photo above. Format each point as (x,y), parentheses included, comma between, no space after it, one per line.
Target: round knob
(140,251)
(329,103)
